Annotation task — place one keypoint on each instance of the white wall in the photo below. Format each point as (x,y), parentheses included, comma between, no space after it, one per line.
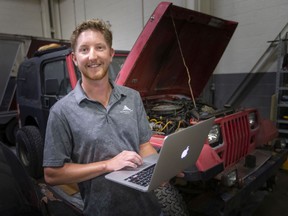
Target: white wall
(21,17)
(127,17)
(260,21)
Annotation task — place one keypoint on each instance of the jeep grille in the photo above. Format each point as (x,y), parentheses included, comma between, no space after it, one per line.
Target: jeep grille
(237,137)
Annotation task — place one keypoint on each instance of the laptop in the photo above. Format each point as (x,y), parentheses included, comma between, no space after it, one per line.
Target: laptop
(179,151)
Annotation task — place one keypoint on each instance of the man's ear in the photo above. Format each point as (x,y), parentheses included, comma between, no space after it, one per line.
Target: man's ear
(74,58)
(112,52)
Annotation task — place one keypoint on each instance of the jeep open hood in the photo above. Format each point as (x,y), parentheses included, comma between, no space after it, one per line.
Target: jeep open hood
(155,66)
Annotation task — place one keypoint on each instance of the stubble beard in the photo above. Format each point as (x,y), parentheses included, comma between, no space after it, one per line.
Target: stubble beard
(99,76)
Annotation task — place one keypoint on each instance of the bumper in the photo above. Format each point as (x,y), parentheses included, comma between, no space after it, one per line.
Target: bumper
(229,200)
(254,181)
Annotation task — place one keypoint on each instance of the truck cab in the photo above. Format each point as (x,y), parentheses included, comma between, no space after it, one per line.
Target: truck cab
(16,49)
(42,81)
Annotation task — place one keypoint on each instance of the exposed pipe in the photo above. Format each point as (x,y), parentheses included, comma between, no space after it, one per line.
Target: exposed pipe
(46,28)
(143,16)
(74,7)
(56,17)
(192,4)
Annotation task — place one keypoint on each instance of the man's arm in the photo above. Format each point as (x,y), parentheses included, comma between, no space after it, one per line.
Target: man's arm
(146,149)
(75,173)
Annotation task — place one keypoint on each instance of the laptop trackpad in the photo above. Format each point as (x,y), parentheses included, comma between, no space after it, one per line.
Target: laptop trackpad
(143,166)
(147,161)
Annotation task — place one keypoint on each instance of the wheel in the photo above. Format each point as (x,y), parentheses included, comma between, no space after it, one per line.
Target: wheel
(11,130)
(171,201)
(29,149)
(19,194)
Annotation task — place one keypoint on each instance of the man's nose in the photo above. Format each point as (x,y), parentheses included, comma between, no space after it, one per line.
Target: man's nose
(93,54)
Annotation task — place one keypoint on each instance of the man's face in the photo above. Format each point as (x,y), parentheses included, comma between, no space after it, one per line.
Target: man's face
(92,55)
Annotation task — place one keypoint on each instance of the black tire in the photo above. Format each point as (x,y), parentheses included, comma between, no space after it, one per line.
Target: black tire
(11,131)
(171,201)
(29,149)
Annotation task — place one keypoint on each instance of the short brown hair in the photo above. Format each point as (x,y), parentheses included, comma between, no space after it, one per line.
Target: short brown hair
(93,24)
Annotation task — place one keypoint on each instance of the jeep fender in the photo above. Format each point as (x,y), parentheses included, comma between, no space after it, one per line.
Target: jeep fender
(267,132)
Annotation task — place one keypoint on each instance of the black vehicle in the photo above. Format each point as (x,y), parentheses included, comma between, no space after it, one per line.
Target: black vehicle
(19,193)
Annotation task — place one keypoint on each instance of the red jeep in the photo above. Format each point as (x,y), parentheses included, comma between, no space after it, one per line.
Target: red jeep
(169,65)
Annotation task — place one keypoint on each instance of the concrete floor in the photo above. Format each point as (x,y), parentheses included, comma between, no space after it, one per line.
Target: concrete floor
(275,202)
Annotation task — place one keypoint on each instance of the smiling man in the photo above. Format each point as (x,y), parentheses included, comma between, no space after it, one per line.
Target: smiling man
(97,128)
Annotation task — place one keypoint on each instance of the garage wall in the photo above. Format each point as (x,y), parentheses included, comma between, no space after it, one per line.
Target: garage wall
(57,18)
(125,28)
(21,17)
(259,21)
(126,17)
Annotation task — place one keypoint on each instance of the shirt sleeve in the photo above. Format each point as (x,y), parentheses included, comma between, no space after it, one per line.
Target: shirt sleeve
(145,131)
(57,146)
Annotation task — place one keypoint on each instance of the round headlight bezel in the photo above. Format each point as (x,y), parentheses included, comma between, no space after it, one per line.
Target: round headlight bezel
(252,120)
(215,136)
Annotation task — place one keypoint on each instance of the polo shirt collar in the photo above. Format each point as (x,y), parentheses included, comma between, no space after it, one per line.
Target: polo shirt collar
(80,95)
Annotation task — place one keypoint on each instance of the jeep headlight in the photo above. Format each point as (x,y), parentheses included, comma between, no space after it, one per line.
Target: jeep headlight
(214,136)
(252,118)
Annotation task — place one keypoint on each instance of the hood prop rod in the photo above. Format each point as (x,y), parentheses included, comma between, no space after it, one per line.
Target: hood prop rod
(184,62)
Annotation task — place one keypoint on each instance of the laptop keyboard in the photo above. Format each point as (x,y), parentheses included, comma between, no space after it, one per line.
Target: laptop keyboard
(143,177)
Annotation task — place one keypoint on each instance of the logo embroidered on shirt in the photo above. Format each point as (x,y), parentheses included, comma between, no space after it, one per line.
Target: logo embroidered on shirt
(126,110)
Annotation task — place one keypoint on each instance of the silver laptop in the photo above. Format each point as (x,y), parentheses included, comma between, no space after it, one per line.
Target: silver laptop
(180,150)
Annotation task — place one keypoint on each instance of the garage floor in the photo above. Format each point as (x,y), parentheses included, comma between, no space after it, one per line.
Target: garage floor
(276,202)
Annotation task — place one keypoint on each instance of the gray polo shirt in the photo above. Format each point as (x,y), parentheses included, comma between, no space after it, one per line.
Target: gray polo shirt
(80,130)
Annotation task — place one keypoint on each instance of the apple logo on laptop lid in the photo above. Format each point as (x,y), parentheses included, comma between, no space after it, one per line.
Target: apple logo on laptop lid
(185,152)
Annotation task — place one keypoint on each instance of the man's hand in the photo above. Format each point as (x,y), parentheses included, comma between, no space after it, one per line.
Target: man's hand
(180,175)
(124,159)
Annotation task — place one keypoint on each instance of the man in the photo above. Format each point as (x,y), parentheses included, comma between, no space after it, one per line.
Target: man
(97,128)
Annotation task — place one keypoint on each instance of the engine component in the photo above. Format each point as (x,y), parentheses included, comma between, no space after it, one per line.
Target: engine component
(168,116)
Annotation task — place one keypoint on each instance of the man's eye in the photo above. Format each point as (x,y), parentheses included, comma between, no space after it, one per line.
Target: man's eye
(100,48)
(83,50)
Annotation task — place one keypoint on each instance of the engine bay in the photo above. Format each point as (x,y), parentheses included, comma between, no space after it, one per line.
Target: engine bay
(167,116)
